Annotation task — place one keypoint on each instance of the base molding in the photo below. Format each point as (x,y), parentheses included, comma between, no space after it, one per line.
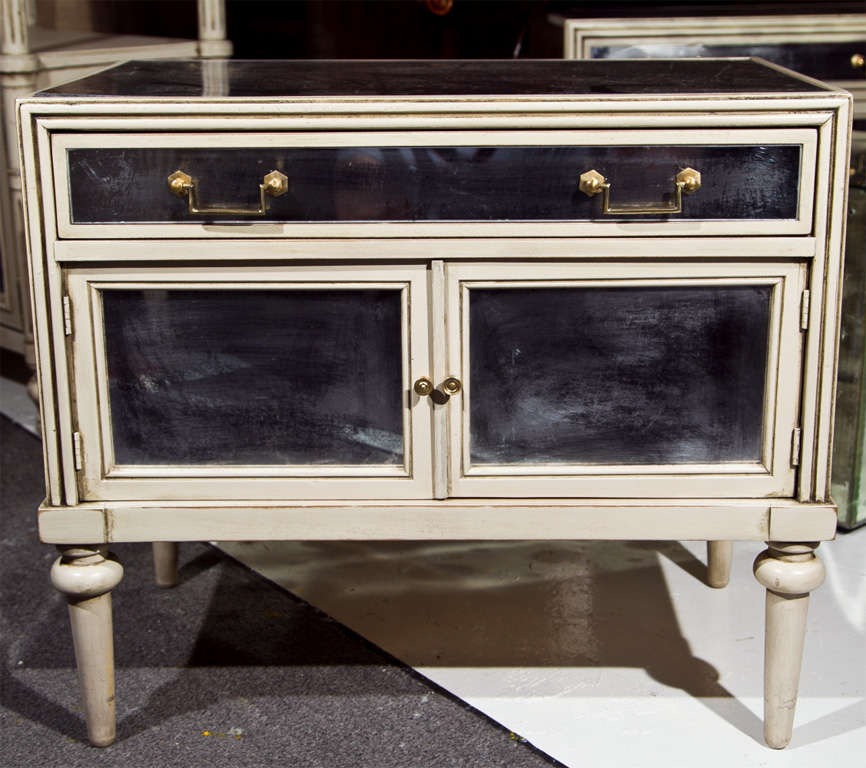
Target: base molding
(452,519)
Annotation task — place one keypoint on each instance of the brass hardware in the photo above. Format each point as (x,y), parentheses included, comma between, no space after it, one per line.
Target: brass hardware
(858,61)
(591,182)
(273,184)
(67,316)
(796,446)
(423,386)
(451,386)
(76,451)
(805,302)
(687,181)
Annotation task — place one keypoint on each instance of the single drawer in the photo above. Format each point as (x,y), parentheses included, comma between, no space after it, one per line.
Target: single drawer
(505,183)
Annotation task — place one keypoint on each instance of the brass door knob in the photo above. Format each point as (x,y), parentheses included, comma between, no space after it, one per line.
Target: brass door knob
(423,386)
(451,385)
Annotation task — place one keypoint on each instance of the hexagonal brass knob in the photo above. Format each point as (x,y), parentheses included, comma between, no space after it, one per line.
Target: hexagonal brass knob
(275,184)
(179,183)
(690,179)
(591,183)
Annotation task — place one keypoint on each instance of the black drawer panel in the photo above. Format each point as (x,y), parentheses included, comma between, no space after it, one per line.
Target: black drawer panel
(513,183)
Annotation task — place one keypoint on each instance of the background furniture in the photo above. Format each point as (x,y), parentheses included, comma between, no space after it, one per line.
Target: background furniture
(34,56)
(831,48)
(828,47)
(329,306)
(849,450)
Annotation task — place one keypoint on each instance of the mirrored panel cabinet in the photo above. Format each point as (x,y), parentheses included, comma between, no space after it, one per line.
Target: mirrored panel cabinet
(827,46)
(437,300)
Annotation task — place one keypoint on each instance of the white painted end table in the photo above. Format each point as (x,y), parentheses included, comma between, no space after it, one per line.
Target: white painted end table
(437,300)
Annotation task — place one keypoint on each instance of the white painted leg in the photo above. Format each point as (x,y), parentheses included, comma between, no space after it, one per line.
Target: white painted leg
(789,572)
(719,554)
(212,29)
(165,563)
(86,575)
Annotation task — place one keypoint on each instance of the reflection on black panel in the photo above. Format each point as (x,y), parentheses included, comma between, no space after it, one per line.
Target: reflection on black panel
(255,376)
(825,61)
(622,375)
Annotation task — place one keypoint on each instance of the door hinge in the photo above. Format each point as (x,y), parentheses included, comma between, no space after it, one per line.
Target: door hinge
(76,449)
(795,447)
(67,316)
(805,302)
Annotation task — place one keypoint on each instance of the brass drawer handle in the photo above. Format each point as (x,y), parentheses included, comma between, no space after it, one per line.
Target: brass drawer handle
(687,181)
(858,61)
(182,184)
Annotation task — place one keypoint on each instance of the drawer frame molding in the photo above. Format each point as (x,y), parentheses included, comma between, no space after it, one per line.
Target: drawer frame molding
(802,224)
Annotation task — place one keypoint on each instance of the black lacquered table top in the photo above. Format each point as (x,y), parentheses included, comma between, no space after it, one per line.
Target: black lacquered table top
(417,78)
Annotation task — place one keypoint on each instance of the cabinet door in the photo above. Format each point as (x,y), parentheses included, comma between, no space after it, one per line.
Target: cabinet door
(623,379)
(224,383)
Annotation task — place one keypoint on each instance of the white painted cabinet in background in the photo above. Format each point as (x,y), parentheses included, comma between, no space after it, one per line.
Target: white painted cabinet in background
(35,56)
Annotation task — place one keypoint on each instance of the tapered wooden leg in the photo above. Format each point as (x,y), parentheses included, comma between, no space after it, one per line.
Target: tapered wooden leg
(719,554)
(86,575)
(165,563)
(789,572)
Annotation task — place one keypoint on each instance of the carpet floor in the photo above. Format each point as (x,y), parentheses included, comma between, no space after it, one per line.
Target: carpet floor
(226,669)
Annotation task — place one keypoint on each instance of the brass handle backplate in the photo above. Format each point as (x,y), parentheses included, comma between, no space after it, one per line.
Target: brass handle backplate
(182,184)
(687,181)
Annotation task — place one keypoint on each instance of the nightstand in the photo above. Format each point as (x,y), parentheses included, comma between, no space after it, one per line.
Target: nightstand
(437,300)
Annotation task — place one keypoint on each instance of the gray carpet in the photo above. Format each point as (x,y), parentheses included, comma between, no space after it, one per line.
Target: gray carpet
(224,670)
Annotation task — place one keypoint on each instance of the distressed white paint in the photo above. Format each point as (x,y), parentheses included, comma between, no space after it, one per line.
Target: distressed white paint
(649,519)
